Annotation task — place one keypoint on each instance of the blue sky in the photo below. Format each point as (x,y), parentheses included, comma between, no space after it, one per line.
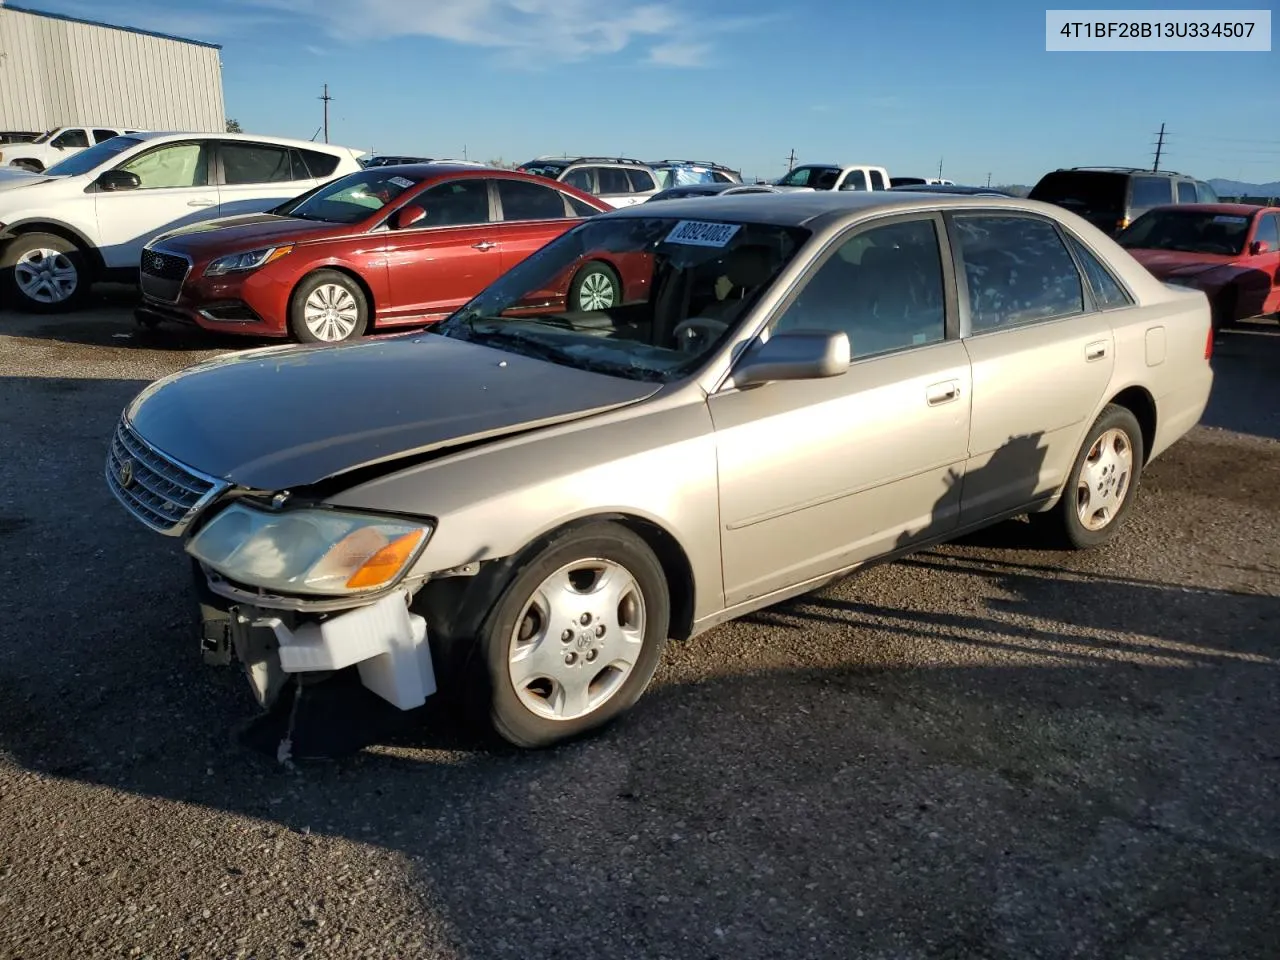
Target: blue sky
(900,84)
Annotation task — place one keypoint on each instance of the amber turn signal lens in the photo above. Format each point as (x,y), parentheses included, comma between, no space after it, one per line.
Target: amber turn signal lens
(387,562)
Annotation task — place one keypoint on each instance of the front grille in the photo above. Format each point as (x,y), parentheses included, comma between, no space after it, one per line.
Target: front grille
(159,491)
(162,274)
(166,266)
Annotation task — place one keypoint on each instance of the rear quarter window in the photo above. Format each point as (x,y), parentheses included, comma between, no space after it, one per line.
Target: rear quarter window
(641,181)
(319,164)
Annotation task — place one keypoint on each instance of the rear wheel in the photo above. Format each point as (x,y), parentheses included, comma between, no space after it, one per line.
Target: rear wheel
(596,287)
(328,307)
(1102,484)
(43,273)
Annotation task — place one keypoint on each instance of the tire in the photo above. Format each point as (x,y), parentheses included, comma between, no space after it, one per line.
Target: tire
(593,285)
(1078,521)
(338,309)
(43,273)
(544,689)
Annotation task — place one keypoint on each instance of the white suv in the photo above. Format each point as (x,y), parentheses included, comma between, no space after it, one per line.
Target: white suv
(89,217)
(617,181)
(56,145)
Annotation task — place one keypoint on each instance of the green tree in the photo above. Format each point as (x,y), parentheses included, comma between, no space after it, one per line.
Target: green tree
(233,126)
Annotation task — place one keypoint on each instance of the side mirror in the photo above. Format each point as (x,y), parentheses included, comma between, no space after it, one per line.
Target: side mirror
(407,216)
(1258,247)
(794,355)
(113,180)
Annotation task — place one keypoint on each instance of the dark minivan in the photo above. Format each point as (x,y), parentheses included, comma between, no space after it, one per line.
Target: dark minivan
(1113,197)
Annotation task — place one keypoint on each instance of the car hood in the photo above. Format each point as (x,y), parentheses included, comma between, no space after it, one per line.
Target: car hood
(1164,264)
(11,177)
(285,417)
(209,238)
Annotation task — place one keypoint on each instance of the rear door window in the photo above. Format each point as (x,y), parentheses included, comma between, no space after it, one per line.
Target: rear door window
(1150,192)
(582,178)
(877,180)
(1017,271)
(244,163)
(641,181)
(100,135)
(1186,191)
(522,200)
(613,180)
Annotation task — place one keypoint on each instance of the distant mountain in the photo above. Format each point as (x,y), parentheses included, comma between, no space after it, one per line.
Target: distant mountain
(1235,188)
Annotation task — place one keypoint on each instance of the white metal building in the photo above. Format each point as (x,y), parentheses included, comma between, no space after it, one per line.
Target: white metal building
(59,71)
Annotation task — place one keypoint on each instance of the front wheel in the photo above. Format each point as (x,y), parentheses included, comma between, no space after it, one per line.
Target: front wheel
(576,636)
(596,287)
(1102,484)
(43,273)
(328,307)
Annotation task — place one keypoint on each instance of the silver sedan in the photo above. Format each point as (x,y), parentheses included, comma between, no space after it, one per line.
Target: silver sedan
(789,387)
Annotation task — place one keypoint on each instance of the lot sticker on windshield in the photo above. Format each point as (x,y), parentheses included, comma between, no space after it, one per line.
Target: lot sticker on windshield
(695,233)
(401,182)
(1225,218)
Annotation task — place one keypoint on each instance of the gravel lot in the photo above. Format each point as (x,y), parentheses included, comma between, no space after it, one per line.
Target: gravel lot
(988,750)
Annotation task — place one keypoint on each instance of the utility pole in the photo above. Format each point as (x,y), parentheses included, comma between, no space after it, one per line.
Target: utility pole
(940,168)
(791,160)
(988,180)
(464,151)
(1159,149)
(326,98)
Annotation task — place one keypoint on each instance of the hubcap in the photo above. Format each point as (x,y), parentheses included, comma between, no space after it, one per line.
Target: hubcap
(596,292)
(1103,484)
(46,276)
(331,312)
(577,639)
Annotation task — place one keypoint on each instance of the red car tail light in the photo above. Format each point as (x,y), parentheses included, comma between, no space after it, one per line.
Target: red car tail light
(1208,343)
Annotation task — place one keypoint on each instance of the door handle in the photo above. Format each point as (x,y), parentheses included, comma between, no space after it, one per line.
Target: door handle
(484,245)
(944,392)
(1095,351)
(199,203)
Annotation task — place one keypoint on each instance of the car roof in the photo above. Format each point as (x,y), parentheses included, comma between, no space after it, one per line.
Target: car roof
(1223,209)
(821,208)
(248,137)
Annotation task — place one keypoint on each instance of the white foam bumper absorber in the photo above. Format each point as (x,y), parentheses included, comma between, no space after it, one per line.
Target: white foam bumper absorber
(385,640)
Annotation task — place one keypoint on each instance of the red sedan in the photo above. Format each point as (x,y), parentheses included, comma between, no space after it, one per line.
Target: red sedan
(383,247)
(1231,251)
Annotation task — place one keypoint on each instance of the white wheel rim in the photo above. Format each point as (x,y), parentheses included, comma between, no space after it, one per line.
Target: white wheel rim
(45,275)
(596,292)
(331,312)
(1103,483)
(577,639)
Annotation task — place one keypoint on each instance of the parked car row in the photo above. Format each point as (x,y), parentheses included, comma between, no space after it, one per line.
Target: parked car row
(519,506)
(53,146)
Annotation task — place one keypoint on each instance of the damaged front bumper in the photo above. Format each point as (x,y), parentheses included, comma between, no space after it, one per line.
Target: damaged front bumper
(384,641)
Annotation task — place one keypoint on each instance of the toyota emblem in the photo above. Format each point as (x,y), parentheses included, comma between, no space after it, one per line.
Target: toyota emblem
(125,475)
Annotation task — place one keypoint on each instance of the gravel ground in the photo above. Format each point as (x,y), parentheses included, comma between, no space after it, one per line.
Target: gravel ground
(987,750)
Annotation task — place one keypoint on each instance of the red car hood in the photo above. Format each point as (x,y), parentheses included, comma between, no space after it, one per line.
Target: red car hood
(215,238)
(1174,263)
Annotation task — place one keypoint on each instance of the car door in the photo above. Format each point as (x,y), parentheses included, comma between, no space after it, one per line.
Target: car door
(174,189)
(531,215)
(817,475)
(1266,234)
(258,176)
(446,258)
(1042,358)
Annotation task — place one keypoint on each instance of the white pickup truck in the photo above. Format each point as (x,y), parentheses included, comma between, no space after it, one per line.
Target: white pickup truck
(56,145)
(833,176)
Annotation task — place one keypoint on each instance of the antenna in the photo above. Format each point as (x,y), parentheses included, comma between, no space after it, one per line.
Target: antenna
(326,98)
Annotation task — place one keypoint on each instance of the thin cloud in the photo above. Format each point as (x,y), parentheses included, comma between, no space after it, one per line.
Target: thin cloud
(681,54)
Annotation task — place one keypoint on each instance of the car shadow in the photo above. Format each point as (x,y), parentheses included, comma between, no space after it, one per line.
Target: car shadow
(1249,355)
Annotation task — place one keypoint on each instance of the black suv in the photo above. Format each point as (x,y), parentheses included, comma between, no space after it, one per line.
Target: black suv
(1113,197)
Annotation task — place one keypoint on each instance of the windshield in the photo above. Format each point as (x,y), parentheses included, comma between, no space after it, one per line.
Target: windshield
(810,177)
(93,157)
(665,271)
(1187,232)
(352,198)
(548,170)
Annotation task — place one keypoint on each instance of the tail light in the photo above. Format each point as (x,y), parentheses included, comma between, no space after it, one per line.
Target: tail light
(1208,343)
(1122,224)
